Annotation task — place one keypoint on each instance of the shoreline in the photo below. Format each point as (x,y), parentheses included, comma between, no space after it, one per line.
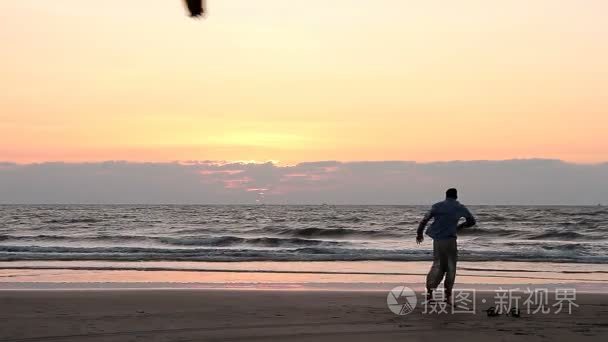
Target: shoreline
(346,276)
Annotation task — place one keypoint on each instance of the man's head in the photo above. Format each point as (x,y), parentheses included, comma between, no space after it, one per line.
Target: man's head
(451,193)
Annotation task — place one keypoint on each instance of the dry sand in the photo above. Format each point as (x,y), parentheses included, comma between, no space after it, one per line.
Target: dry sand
(254,315)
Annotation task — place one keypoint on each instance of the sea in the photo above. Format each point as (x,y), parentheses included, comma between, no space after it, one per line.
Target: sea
(556,234)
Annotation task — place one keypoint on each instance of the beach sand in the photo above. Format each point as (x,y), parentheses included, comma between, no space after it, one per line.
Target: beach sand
(275,315)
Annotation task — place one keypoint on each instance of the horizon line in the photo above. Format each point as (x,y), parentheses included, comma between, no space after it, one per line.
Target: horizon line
(278,162)
(601,205)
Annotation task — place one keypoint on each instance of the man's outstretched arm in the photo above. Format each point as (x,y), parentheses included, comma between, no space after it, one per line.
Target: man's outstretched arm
(422,225)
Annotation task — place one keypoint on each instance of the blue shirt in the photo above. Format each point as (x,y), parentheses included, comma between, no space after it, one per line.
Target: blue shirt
(446,215)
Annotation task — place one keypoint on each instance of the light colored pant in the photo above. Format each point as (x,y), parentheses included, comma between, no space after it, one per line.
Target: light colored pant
(445,255)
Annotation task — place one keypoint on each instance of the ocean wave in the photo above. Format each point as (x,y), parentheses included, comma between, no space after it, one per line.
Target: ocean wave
(72,238)
(227,241)
(406,223)
(335,232)
(213,241)
(330,218)
(16,253)
(549,246)
(557,235)
(496,218)
(281,236)
(563,247)
(592,213)
(565,235)
(74,220)
(489,232)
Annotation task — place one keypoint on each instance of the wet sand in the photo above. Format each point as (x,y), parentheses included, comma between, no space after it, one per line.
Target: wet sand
(275,315)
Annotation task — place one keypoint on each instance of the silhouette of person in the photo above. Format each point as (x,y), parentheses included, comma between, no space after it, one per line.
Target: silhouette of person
(443,231)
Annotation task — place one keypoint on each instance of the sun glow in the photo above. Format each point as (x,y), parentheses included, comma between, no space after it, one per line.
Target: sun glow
(273,80)
(260,139)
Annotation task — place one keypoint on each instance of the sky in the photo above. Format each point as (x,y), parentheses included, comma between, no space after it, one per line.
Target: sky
(303,81)
(281,101)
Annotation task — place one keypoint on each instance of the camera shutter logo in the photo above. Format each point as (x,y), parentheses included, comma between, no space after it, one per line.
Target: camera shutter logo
(401,300)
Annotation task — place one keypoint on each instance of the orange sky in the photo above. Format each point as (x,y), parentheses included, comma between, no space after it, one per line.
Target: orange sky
(303,80)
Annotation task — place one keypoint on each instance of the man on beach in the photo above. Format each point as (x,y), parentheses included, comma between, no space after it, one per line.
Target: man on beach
(443,231)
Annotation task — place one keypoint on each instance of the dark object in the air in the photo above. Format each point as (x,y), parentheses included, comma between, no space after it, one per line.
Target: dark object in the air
(196,7)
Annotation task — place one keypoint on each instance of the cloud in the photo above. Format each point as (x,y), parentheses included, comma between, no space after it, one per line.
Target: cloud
(530,181)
